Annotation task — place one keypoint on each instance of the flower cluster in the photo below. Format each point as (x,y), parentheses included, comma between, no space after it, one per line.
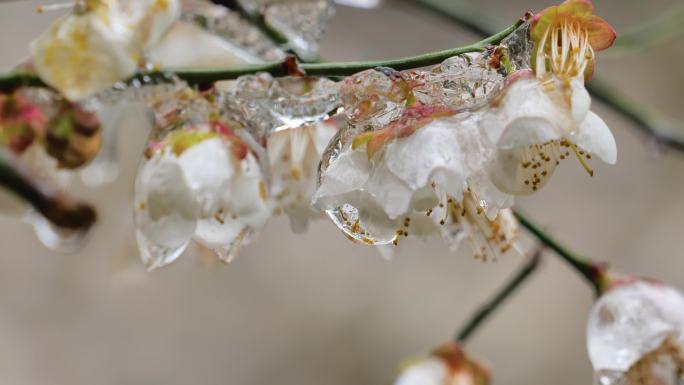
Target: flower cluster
(384,154)
(220,163)
(445,151)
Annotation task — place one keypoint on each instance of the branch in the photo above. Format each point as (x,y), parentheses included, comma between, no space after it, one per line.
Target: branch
(488,308)
(204,76)
(652,32)
(57,208)
(593,273)
(478,22)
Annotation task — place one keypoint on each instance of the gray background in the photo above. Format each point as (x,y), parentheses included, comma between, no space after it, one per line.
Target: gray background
(317,309)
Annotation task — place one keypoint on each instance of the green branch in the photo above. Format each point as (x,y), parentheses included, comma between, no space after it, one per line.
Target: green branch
(205,76)
(488,308)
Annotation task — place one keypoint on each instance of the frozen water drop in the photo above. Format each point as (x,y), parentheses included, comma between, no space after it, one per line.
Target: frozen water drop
(154,255)
(608,377)
(229,252)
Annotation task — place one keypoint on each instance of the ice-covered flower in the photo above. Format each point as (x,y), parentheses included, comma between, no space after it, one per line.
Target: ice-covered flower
(447,365)
(412,159)
(294,155)
(290,117)
(543,115)
(198,183)
(635,334)
(414,177)
(100,43)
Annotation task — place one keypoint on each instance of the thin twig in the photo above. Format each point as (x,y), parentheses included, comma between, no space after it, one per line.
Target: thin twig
(593,273)
(489,307)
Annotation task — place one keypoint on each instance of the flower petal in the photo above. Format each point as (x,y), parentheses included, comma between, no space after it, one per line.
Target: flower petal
(80,55)
(595,137)
(601,33)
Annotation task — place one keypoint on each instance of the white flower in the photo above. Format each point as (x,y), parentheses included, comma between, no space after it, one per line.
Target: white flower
(99,43)
(448,365)
(413,177)
(637,329)
(197,187)
(294,155)
(536,124)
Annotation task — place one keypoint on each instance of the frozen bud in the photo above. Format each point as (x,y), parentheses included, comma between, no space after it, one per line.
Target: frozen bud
(21,122)
(73,136)
(635,334)
(447,365)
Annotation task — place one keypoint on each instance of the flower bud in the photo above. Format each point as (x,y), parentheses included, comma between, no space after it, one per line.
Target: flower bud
(447,365)
(73,136)
(21,122)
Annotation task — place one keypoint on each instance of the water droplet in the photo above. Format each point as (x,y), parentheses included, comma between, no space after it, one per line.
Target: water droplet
(154,255)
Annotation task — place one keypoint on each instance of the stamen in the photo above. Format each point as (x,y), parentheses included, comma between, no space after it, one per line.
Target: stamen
(54,7)
(584,164)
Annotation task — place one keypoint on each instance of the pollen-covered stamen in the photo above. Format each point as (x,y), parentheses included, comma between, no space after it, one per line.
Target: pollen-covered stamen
(539,160)
(489,238)
(564,50)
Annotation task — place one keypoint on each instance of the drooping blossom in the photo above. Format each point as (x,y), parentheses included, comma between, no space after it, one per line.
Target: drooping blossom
(403,167)
(294,155)
(447,365)
(200,182)
(635,334)
(543,115)
(100,43)
(289,116)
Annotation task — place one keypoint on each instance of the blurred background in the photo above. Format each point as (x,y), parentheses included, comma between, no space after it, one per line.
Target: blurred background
(316,308)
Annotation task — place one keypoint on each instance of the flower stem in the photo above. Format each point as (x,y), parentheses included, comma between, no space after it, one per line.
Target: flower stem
(488,308)
(593,273)
(205,76)
(57,208)
(476,21)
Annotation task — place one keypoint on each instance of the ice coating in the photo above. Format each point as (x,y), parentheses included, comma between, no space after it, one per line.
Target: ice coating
(262,104)
(630,321)
(302,22)
(250,44)
(411,147)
